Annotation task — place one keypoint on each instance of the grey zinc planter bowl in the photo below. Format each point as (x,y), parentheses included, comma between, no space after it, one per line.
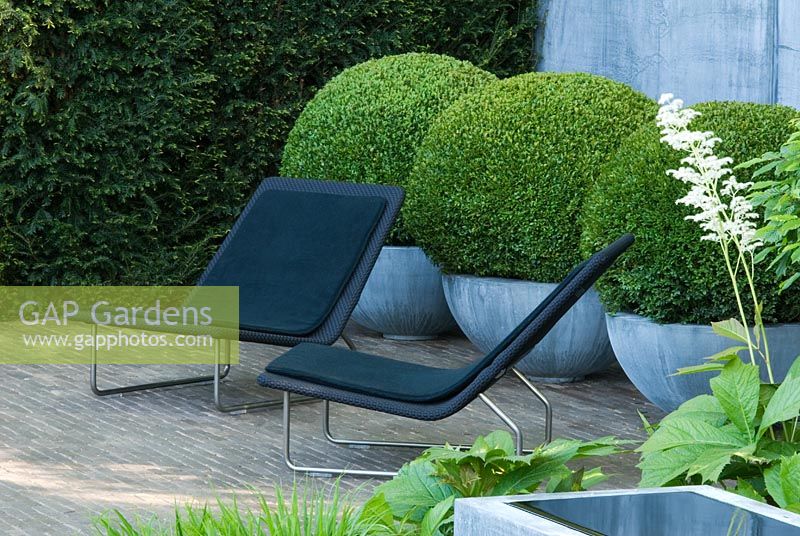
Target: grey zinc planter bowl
(403,297)
(650,353)
(489,308)
(687,511)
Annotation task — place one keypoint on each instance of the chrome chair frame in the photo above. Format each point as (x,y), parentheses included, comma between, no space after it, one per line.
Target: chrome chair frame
(426,406)
(331,471)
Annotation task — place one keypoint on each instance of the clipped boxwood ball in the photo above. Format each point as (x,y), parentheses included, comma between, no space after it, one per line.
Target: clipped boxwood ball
(500,178)
(669,274)
(366,124)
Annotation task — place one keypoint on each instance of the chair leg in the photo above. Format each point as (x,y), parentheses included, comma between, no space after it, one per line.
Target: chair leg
(287,457)
(216,377)
(348,341)
(153,385)
(243,407)
(548,409)
(220,372)
(518,441)
(326,430)
(264,403)
(507,420)
(326,426)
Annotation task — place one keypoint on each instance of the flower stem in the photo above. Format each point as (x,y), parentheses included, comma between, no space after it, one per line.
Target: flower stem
(726,255)
(749,270)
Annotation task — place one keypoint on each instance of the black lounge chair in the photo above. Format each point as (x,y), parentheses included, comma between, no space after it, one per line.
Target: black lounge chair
(300,253)
(417,391)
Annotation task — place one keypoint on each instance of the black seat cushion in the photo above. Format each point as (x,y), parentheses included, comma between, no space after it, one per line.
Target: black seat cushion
(369,374)
(388,378)
(291,255)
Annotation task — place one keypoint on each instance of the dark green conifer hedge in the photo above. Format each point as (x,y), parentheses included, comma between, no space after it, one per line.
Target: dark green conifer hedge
(131,133)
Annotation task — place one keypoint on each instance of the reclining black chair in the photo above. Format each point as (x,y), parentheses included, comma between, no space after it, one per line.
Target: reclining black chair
(417,391)
(300,253)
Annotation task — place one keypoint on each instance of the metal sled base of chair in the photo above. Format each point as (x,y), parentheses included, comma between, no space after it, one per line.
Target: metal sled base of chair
(330,471)
(220,372)
(153,385)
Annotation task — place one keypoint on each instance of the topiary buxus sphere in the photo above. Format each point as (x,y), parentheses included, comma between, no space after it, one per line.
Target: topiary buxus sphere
(500,179)
(366,123)
(670,274)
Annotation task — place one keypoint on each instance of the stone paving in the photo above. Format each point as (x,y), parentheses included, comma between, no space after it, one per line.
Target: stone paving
(66,455)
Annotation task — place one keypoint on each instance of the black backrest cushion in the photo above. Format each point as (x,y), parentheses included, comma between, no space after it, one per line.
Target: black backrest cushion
(291,254)
(472,370)
(539,322)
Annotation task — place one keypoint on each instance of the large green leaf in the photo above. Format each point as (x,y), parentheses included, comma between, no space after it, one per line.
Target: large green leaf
(663,467)
(731,329)
(528,478)
(593,477)
(542,464)
(499,439)
(414,490)
(737,389)
(481,448)
(548,463)
(785,403)
(445,453)
(714,366)
(436,517)
(563,481)
(772,450)
(727,354)
(488,467)
(561,450)
(746,489)
(710,463)
(687,432)
(713,362)
(377,515)
(496,445)
(689,446)
(377,510)
(603,446)
(783,481)
(705,408)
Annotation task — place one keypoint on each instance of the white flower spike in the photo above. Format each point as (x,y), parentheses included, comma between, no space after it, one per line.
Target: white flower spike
(723,212)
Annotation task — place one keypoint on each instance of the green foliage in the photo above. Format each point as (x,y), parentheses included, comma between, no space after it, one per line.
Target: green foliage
(131,133)
(746,433)
(366,124)
(418,501)
(101,101)
(670,274)
(780,199)
(310,512)
(500,179)
(424,490)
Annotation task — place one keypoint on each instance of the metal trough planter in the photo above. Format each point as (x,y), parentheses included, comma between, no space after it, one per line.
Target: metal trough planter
(687,511)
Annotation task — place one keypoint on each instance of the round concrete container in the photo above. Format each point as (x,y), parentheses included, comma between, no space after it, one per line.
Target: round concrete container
(489,308)
(650,353)
(403,297)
